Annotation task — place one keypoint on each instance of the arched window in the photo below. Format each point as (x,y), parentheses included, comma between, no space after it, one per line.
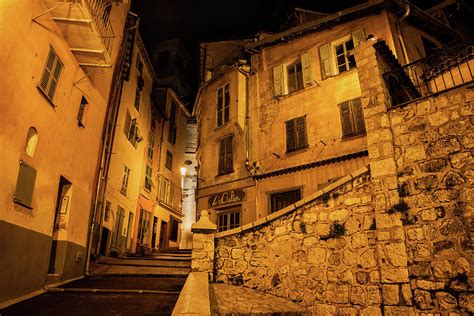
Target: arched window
(31,141)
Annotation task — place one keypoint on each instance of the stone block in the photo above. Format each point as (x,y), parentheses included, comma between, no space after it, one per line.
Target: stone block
(324,310)
(316,255)
(399,311)
(438,118)
(397,254)
(406,294)
(338,215)
(415,153)
(466,302)
(443,147)
(446,301)
(371,311)
(337,293)
(390,294)
(383,167)
(430,285)
(423,300)
(367,259)
(394,275)
(459,160)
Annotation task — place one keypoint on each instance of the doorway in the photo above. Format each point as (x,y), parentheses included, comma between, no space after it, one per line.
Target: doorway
(155,228)
(163,235)
(60,221)
(103,241)
(117,234)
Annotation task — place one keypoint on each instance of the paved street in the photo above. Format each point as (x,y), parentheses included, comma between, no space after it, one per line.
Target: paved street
(130,286)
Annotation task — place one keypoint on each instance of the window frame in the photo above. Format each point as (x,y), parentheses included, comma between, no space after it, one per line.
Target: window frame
(125,178)
(304,75)
(298,77)
(165,192)
(272,195)
(296,134)
(226,157)
(107,209)
(169,160)
(224,216)
(223,104)
(356,120)
(50,74)
(347,63)
(148,185)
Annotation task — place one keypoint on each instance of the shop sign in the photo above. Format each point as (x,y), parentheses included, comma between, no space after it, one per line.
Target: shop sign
(228,197)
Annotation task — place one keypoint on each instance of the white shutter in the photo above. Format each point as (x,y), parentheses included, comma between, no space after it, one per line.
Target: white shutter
(325,58)
(278,80)
(357,36)
(306,66)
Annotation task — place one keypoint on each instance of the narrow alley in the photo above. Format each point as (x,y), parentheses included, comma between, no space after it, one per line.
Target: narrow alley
(116,286)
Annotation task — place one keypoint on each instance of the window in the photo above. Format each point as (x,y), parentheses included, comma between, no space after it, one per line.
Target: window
(174,229)
(352,118)
(136,103)
(131,130)
(294,76)
(25,185)
(139,65)
(31,141)
(52,71)
(228,219)
(148,178)
(165,194)
(225,155)
(338,56)
(151,144)
(281,200)
(143,226)
(108,206)
(172,129)
(223,105)
(126,174)
(81,112)
(296,134)
(169,160)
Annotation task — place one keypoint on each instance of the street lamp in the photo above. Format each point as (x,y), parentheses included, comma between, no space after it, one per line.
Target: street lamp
(183,173)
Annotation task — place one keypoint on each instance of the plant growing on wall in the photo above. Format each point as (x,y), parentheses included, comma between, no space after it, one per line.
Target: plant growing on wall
(337,230)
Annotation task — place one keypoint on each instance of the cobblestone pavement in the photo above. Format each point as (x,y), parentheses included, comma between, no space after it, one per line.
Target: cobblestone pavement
(239,300)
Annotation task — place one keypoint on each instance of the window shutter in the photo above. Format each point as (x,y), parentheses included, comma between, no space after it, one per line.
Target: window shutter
(306,66)
(25,185)
(290,135)
(48,69)
(357,36)
(126,126)
(301,132)
(55,78)
(228,149)
(221,169)
(278,80)
(358,116)
(345,119)
(325,58)
(219,107)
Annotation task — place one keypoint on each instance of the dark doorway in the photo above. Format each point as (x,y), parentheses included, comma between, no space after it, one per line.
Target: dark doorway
(155,228)
(62,206)
(103,241)
(163,235)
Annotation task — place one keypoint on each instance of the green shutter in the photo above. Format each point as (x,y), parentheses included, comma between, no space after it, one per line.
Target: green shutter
(358,116)
(306,66)
(25,185)
(228,149)
(221,167)
(290,135)
(278,80)
(345,119)
(325,58)
(357,36)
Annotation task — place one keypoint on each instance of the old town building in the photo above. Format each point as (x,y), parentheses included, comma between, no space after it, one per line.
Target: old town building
(55,100)
(282,112)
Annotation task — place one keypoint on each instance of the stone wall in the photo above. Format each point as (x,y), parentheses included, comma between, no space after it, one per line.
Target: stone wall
(296,253)
(434,142)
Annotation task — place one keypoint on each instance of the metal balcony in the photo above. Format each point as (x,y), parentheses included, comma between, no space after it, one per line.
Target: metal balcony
(86,26)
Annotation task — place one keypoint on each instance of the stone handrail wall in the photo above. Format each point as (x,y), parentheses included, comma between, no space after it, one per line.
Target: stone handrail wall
(434,143)
(293,253)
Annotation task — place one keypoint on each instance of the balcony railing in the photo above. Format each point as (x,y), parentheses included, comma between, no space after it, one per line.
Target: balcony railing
(100,17)
(450,67)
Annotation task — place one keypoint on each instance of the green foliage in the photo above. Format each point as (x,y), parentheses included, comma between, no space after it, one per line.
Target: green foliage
(400,207)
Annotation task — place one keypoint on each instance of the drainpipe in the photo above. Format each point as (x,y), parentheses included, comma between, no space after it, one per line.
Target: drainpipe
(400,36)
(108,135)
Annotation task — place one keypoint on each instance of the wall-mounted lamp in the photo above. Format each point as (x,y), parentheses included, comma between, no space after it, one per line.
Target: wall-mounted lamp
(183,171)
(371,38)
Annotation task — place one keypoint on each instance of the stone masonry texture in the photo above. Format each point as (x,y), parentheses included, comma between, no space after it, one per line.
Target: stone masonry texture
(395,241)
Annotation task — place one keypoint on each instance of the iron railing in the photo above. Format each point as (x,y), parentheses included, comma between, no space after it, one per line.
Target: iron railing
(99,12)
(450,67)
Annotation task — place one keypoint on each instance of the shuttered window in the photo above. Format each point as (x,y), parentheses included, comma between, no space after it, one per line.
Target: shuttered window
(352,118)
(296,76)
(169,160)
(223,105)
(125,176)
(166,191)
(296,134)
(172,128)
(338,56)
(51,72)
(136,103)
(148,178)
(225,155)
(108,206)
(281,200)
(25,185)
